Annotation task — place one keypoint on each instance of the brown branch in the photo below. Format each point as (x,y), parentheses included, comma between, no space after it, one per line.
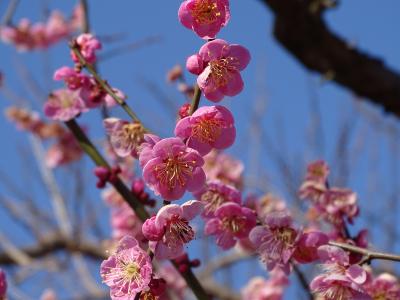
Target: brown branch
(303,32)
(368,255)
(54,243)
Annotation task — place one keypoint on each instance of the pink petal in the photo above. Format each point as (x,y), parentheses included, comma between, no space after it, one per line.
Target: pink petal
(234,86)
(357,274)
(191,209)
(241,53)
(197,181)
(213,50)
(166,213)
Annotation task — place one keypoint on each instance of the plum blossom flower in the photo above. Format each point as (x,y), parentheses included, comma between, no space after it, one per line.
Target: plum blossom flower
(276,241)
(87,45)
(26,36)
(64,105)
(385,286)
(73,79)
(146,148)
(174,280)
(219,69)
(64,151)
(169,231)
(128,271)
(209,127)
(223,167)
(125,222)
(259,288)
(3,284)
(214,194)
(125,137)
(204,17)
(317,171)
(231,222)
(340,279)
(173,169)
(269,203)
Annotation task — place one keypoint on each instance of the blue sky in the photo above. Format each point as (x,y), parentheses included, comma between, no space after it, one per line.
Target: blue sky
(274,81)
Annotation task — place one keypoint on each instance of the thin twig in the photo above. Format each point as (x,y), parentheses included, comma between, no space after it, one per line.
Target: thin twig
(104,85)
(368,255)
(196,100)
(303,281)
(12,7)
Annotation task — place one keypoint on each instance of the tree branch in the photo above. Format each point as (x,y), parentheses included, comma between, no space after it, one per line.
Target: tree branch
(55,243)
(368,255)
(303,32)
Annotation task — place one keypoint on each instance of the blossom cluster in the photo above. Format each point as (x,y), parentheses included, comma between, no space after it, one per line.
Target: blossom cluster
(63,151)
(26,36)
(191,160)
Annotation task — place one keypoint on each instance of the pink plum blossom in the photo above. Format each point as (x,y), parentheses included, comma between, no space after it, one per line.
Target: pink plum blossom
(276,240)
(209,127)
(223,167)
(87,45)
(64,105)
(128,271)
(56,28)
(175,283)
(26,36)
(231,222)
(222,64)
(170,229)
(340,279)
(383,287)
(317,171)
(64,151)
(125,222)
(3,284)
(214,194)
(204,17)
(272,288)
(125,137)
(268,203)
(173,169)
(73,79)
(146,148)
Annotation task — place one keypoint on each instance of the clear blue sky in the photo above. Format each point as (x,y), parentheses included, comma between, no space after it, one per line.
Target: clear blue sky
(272,75)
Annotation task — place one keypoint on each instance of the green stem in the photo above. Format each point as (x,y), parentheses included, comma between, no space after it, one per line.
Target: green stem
(196,100)
(130,198)
(104,85)
(99,160)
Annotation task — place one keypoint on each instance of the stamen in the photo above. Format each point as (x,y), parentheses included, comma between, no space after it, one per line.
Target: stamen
(174,171)
(207,130)
(178,231)
(205,12)
(212,200)
(233,224)
(221,70)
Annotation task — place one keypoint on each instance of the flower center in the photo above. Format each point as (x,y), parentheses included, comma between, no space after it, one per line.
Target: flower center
(212,200)
(233,224)
(133,133)
(205,12)
(286,235)
(221,69)
(337,292)
(207,130)
(178,231)
(174,171)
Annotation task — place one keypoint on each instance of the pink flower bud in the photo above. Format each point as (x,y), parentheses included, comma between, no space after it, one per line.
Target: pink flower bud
(195,64)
